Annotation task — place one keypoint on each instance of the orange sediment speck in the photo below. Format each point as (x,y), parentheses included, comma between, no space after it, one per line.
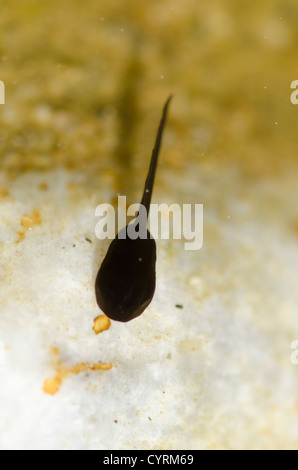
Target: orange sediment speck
(53,384)
(101,323)
(21,236)
(28,221)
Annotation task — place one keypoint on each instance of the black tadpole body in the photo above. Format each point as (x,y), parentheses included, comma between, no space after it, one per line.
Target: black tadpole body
(125,282)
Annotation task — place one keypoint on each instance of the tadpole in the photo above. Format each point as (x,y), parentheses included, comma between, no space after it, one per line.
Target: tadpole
(125,283)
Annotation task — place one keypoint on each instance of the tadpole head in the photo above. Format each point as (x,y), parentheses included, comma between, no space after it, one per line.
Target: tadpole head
(125,283)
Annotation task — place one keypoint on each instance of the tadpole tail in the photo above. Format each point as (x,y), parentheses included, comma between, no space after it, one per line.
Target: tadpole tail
(146,199)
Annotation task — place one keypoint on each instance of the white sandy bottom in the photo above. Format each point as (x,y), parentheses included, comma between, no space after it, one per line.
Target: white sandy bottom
(215,374)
